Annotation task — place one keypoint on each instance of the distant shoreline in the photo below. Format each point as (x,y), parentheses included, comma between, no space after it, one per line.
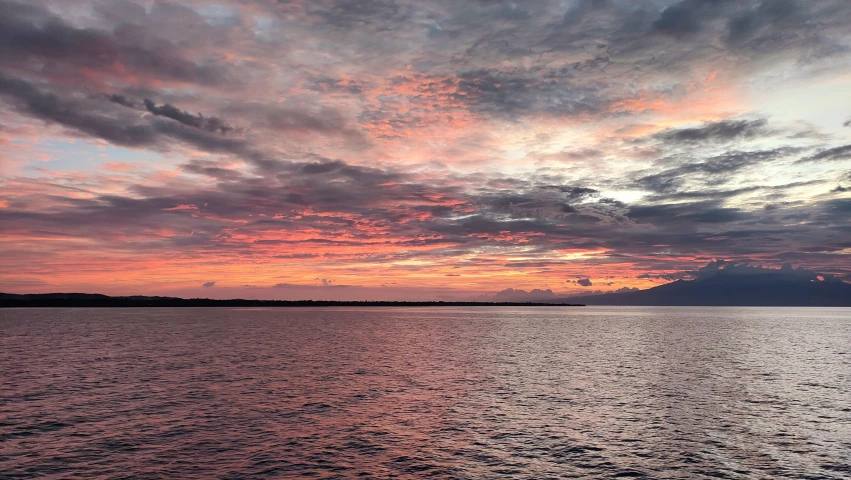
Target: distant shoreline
(85,300)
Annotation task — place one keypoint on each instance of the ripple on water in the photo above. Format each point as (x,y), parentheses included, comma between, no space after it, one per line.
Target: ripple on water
(469,393)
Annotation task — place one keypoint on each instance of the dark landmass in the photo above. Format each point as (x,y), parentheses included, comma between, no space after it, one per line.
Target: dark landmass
(88,300)
(738,286)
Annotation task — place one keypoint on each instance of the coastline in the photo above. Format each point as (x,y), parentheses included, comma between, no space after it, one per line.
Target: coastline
(85,300)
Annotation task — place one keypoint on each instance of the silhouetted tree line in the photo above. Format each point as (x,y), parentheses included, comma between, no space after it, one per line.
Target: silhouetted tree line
(83,300)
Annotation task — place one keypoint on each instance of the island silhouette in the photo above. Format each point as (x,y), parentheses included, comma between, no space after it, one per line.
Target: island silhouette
(89,300)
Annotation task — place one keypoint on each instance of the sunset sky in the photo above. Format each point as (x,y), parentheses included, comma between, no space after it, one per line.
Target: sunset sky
(418,149)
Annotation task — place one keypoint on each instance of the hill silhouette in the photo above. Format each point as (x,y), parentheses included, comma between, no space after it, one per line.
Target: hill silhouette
(722,283)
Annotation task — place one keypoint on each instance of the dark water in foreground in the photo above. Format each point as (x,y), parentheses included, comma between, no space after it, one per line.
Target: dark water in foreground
(592,392)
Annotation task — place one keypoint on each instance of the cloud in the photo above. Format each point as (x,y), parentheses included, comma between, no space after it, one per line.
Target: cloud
(724,130)
(345,209)
(829,155)
(29,32)
(514,95)
(747,24)
(695,212)
(518,295)
(487,139)
(627,289)
(121,100)
(209,284)
(50,107)
(92,118)
(585,282)
(211,124)
(714,170)
(682,18)
(362,13)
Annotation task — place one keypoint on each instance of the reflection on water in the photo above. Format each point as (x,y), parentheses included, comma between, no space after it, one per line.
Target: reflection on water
(597,392)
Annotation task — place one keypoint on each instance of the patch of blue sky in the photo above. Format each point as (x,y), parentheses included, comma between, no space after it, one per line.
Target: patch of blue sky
(61,155)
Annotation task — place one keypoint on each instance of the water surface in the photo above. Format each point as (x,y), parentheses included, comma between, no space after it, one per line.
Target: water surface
(595,392)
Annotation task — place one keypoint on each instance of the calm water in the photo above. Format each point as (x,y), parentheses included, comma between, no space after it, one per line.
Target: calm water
(475,393)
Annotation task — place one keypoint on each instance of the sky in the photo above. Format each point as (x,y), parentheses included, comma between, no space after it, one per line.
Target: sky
(418,149)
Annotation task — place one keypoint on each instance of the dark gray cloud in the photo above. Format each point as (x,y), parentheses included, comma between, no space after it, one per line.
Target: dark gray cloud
(513,94)
(829,155)
(724,130)
(91,117)
(325,120)
(210,124)
(762,27)
(121,100)
(714,170)
(687,17)
(364,14)
(209,284)
(694,213)
(707,193)
(768,14)
(585,282)
(29,32)
(70,113)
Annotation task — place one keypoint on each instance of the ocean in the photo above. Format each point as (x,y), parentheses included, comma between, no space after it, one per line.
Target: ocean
(442,392)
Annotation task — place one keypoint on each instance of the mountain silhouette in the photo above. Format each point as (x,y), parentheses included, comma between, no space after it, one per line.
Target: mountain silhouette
(723,283)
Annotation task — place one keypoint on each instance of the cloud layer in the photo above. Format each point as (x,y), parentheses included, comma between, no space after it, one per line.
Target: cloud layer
(418,149)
